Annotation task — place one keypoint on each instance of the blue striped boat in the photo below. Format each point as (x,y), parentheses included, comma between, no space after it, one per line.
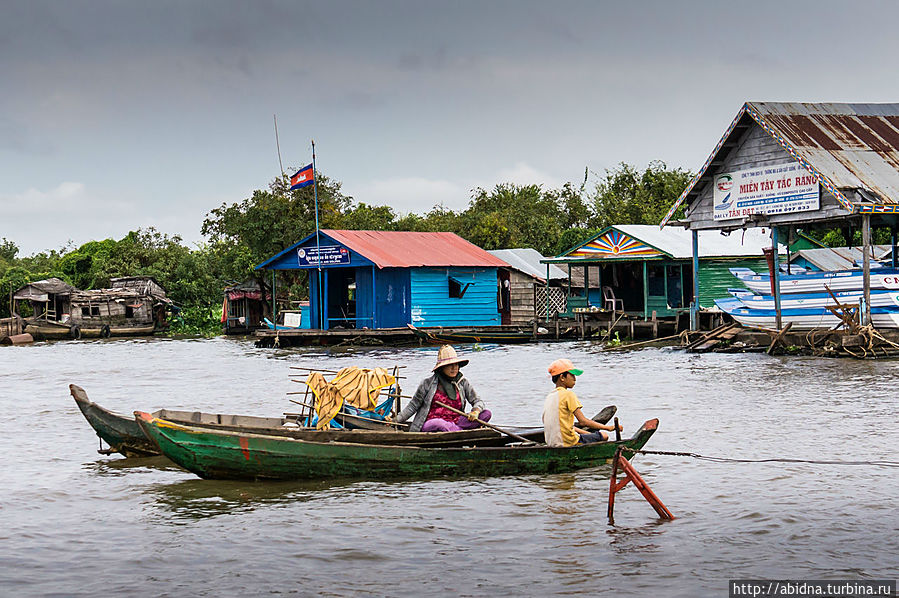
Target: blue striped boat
(879,298)
(819,282)
(802,318)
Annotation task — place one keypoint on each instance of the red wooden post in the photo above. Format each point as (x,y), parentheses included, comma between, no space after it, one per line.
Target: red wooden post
(631,475)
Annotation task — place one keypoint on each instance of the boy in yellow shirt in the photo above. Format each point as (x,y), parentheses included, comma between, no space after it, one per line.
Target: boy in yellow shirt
(562,408)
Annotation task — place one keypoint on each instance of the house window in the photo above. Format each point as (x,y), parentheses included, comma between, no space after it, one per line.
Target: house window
(88,311)
(129,311)
(456,288)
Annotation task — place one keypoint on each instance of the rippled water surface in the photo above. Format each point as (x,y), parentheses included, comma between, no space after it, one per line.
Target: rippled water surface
(76,523)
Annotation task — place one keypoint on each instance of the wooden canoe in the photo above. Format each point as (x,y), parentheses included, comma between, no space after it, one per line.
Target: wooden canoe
(219,454)
(125,436)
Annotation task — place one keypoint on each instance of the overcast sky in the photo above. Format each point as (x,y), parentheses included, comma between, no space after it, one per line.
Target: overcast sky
(116,115)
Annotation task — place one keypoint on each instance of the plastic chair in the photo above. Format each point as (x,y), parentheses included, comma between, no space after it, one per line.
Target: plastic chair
(609,301)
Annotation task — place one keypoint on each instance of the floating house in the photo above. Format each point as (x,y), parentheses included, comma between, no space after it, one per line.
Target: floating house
(523,289)
(244,307)
(388,279)
(788,166)
(642,269)
(132,306)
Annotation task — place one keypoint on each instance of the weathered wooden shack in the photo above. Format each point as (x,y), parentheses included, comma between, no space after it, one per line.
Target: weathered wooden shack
(788,166)
(132,306)
(522,285)
(388,279)
(642,269)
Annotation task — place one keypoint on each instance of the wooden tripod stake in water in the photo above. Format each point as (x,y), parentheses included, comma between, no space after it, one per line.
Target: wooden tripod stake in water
(631,475)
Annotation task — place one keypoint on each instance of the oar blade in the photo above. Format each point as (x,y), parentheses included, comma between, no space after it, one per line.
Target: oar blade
(606,414)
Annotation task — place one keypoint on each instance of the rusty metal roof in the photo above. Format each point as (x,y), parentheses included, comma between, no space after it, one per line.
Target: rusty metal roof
(849,147)
(856,146)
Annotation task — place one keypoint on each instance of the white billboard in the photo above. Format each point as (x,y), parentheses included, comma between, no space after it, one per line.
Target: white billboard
(780,189)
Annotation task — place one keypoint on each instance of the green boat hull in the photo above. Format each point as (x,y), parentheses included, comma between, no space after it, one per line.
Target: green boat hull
(125,436)
(232,455)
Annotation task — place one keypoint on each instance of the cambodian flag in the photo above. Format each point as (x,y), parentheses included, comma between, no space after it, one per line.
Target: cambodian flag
(303,178)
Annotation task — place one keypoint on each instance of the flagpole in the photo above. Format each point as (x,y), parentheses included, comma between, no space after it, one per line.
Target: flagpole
(318,250)
(278,144)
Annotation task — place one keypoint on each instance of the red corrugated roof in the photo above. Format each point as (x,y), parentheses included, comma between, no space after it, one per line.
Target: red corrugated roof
(403,249)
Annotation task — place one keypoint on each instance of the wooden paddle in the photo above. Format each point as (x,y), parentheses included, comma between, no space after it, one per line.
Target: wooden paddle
(483,423)
(605,415)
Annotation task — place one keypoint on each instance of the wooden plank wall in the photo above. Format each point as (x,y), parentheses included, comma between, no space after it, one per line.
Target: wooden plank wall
(754,149)
(521,300)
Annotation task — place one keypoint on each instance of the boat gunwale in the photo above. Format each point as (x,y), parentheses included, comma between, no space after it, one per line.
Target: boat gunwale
(649,426)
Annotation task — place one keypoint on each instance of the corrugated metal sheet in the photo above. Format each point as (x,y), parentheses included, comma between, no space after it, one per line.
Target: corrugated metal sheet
(838,258)
(856,146)
(850,146)
(527,260)
(39,289)
(678,242)
(404,249)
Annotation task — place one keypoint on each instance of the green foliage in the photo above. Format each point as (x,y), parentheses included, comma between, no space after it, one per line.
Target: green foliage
(273,220)
(626,196)
(197,320)
(366,217)
(13,278)
(246,233)
(846,237)
(8,250)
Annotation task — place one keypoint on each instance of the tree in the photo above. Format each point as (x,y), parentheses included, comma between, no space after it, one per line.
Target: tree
(512,216)
(8,250)
(272,220)
(626,196)
(366,217)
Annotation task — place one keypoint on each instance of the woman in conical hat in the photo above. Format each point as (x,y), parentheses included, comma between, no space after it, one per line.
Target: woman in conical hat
(445,385)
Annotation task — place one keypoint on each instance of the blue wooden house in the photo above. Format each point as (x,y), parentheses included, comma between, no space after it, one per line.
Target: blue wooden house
(387,279)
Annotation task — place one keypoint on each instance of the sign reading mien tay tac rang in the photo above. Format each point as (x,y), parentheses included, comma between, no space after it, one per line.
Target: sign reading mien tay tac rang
(778,189)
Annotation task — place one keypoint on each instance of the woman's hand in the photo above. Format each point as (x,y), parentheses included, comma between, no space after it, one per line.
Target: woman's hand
(473,415)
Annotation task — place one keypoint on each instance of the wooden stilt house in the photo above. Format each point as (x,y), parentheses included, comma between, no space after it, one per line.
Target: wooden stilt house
(523,289)
(642,269)
(388,279)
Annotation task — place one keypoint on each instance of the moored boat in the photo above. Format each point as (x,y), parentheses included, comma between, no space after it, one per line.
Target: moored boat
(219,454)
(801,318)
(879,298)
(819,281)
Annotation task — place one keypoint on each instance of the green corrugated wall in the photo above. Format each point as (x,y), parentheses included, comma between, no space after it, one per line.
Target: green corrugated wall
(715,277)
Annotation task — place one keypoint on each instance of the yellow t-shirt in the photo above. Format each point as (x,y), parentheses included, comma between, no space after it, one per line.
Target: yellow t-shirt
(558,417)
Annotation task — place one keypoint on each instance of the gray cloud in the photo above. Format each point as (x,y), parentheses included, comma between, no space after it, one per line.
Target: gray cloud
(172,101)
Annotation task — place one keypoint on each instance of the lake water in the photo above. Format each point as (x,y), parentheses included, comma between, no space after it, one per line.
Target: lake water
(76,523)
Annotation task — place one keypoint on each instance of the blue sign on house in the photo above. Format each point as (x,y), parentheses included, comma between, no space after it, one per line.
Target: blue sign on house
(326,255)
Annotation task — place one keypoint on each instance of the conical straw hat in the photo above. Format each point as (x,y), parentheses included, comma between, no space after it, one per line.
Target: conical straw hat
(447,356)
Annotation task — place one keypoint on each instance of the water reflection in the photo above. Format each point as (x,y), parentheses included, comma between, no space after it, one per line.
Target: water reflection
(531,535)
(194,499)
(116,467)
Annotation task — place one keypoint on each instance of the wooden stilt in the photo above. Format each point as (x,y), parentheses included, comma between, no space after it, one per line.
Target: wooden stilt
(779,337)
(631,475)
